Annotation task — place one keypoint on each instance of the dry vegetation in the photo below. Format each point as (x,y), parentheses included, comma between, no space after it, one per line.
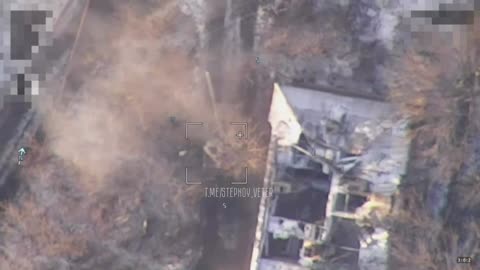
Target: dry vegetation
(292,41)
(105,190)
(424,242)
(435,90)
(232,154)
(29,227)
(299,32)
(101,192)
(422,94)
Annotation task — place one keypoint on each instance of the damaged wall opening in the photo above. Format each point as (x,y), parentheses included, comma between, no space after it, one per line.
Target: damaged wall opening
(307,206)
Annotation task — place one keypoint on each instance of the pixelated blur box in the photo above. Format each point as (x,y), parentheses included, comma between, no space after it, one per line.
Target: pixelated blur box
(25,34)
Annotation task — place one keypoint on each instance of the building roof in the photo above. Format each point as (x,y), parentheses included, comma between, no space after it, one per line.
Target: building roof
(364,134)
(369,127)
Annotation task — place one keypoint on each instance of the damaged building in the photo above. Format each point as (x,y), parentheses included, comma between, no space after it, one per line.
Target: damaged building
(334,163)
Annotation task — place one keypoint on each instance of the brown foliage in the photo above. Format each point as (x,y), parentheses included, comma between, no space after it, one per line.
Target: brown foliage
(431,104)
(419,241)
(152,25)
(37,233)
(414,84)
(294,42)
(429,252)
(468,192)
(232,154)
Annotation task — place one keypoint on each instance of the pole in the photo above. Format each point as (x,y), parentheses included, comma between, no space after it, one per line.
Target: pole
(211,94)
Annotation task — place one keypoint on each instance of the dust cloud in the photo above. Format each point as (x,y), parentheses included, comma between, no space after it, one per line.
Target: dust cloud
(106,171)
(122,112)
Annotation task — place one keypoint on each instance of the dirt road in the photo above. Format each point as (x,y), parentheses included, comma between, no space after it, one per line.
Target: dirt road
(238,80)
(18,119)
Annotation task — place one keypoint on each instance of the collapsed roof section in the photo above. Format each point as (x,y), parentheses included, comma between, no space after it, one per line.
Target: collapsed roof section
(342,131)
(329,155)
